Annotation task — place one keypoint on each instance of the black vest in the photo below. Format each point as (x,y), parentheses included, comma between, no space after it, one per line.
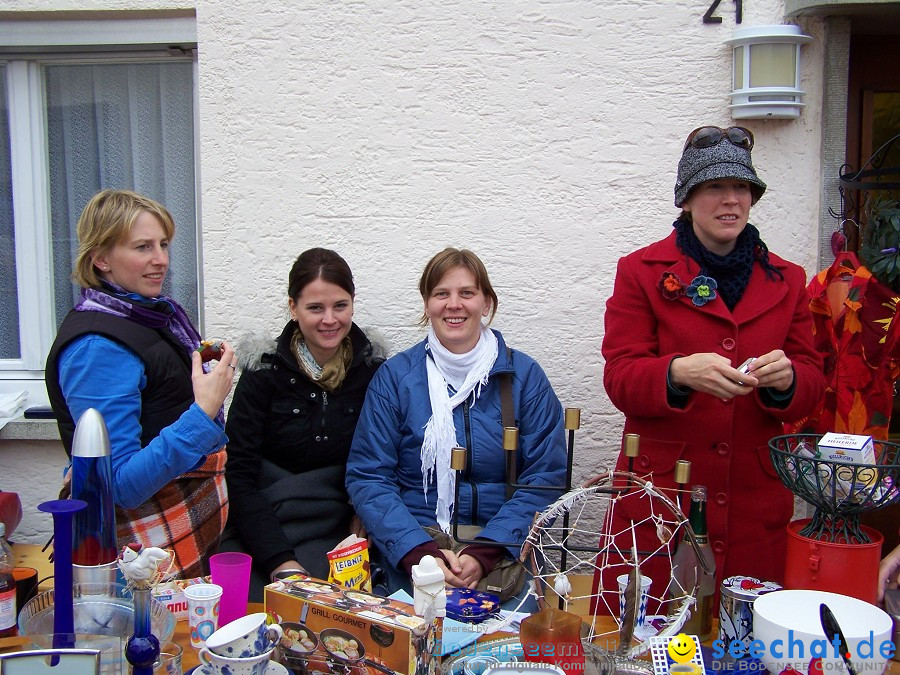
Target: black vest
(167,368)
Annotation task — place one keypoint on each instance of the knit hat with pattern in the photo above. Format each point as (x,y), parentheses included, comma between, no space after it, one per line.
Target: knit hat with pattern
(722,160)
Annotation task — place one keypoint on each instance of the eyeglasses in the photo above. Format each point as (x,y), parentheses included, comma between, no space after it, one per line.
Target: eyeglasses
(706,137)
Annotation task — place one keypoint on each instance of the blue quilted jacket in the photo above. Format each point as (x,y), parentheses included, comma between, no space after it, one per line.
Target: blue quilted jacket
(384,476)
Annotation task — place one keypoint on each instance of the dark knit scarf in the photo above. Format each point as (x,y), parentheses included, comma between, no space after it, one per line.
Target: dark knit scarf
(732,271)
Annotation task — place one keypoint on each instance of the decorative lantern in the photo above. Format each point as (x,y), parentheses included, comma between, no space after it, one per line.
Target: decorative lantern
(766,75)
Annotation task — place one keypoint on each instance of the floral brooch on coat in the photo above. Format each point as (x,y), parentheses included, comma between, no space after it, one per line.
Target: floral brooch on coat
(701,290)
(671,286)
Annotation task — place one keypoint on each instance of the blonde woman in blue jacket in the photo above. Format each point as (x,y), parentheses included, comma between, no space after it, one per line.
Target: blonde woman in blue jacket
(442,393)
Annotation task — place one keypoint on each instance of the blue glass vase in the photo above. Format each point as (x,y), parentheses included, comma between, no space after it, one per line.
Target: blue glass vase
(142,648)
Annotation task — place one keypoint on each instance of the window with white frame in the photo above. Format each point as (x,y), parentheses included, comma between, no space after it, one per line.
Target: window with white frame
(87,105)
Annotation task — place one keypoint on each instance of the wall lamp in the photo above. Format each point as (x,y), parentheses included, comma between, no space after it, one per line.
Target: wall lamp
(766,74)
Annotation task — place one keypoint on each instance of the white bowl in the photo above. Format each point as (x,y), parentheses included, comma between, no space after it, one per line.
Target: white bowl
(792,616)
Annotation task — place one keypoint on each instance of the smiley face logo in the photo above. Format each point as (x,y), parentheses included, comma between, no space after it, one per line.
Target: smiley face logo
(681,648)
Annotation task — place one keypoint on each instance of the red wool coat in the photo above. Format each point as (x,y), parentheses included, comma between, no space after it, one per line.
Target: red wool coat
(725,441)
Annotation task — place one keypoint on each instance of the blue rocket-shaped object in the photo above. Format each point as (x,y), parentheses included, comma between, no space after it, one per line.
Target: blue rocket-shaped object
(94,549)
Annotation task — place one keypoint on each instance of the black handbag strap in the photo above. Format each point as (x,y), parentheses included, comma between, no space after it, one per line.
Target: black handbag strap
(506,403)
(507,415)
(508,418)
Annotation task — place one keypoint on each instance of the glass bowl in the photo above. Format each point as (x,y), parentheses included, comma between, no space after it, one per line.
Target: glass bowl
(99,609)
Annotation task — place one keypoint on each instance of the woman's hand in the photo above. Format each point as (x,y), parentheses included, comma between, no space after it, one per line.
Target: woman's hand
(463,571)
(210,389)
(710,373)
(289,565)
(773,370)
(471,570)
(357,527)
(450,568)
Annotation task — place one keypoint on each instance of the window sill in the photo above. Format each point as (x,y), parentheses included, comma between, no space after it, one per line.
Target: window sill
(21,429)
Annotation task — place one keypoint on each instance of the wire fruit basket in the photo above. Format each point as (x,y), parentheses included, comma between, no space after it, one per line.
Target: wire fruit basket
(839,491)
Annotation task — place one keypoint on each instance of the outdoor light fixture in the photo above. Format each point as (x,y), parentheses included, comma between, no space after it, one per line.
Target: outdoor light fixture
(766,75)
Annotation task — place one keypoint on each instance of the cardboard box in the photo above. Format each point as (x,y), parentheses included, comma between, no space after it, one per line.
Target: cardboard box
(852,449)
(847,448)
(171,594)
(383,636)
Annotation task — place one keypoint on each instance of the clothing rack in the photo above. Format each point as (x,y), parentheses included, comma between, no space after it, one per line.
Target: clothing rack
(871,176)
(878,177)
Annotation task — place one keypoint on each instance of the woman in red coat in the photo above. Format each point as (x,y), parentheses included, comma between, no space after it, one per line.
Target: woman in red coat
(685,313)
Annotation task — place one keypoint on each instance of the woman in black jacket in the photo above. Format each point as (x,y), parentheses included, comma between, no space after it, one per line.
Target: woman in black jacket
(290,425)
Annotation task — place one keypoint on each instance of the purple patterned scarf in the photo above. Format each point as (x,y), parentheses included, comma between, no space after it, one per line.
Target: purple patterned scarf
(161,312)
(156,313)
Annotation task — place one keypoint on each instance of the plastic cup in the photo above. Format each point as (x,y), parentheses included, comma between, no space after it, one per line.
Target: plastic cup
(622,580)
(169,660)
(553,636)
(685,669)
(231,571)
(204,602)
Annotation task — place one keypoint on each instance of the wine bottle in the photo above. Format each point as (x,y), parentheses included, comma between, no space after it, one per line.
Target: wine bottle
(685,567)
(7,588)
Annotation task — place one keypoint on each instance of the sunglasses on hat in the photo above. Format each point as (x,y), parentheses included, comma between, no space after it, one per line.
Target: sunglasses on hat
(706,137)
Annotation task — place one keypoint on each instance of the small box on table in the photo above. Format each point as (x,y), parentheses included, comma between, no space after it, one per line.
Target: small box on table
(846,448)
(327,626)
(851,449)
(171,594)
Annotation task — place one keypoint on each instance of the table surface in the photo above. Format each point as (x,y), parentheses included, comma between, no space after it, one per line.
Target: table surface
(605,623)
(30,556)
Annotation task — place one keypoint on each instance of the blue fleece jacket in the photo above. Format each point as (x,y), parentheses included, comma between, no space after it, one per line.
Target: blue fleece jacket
(96,372)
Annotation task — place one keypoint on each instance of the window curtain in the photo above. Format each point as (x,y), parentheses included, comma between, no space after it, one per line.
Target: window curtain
(122,126)
(9,302)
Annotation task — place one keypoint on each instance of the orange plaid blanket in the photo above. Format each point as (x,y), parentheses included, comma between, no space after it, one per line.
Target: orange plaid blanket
(187,515)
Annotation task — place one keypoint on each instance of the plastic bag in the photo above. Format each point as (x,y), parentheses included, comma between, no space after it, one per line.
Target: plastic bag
(348,564)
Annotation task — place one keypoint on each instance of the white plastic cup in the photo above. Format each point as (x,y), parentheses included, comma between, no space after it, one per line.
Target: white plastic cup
(622,579)
(203,611)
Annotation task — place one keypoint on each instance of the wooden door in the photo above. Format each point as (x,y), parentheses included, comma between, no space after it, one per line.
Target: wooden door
(873,117)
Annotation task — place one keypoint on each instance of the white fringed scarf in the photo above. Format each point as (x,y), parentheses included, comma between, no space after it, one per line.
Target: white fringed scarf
(467,374)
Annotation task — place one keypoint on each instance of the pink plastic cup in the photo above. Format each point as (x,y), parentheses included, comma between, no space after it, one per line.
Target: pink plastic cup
(231,571)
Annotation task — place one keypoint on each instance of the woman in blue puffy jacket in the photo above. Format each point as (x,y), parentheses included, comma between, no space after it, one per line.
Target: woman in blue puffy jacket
(442,393)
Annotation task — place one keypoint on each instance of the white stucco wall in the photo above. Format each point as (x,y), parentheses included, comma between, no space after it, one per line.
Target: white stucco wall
(38,467)
(543,135)
(94,5)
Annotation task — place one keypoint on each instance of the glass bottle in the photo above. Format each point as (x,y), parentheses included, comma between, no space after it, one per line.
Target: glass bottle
(7,588)
(686,565)
(142,648)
